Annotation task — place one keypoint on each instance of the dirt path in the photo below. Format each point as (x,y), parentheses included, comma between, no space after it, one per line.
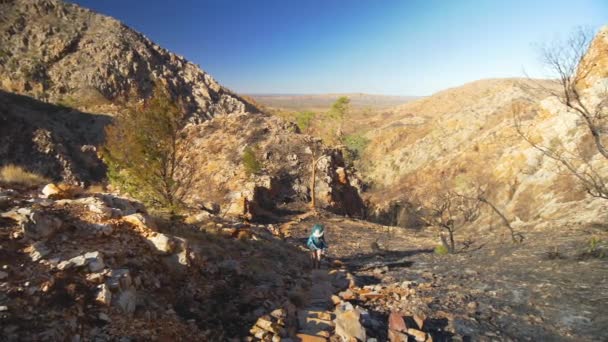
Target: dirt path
(315,319)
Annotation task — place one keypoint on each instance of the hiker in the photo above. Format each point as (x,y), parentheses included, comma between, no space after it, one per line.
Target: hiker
(316,243)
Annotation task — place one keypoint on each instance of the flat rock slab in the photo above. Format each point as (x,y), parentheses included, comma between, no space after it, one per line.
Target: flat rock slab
(315,321)
(309,338)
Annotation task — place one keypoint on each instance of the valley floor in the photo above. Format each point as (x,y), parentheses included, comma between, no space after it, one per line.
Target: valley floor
(547,288)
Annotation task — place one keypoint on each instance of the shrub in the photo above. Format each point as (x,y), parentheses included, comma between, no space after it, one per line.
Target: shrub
(304,119)
(146,153)
(355,145)
(15,175)
(441,250)
(250,161)
(339,108)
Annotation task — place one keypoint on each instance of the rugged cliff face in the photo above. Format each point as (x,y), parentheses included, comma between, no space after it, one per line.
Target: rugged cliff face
(63,53)
(468,134)
(83,64)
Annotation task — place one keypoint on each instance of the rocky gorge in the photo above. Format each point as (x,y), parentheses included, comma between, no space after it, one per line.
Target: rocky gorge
(81,260)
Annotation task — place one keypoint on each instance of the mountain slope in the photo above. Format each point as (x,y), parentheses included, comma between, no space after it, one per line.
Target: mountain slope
(63,53)
(86,64)
(468,135)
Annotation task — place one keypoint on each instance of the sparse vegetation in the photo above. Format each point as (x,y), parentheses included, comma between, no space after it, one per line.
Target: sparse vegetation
(250,161)
(441,250)
(147,156)
(304,120)
(16,175)
(355,145)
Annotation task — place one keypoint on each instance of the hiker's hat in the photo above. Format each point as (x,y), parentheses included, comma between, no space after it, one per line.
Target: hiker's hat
(317,230)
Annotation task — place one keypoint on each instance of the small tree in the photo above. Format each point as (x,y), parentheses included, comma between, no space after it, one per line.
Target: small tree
(449,211)
(355,145)
(147,155)
(337,112)
(304,120)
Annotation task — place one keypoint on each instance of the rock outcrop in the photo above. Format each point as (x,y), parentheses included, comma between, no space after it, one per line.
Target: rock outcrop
(468,135)
(134,280)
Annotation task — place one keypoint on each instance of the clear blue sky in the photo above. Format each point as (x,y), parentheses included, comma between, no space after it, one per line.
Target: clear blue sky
(374,46)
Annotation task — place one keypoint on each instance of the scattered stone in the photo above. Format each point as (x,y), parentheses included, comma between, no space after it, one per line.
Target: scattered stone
(64,265)
(140,221)
(120,279)
(347,295)
(396,322)
(348,325)
(279,313)
(266,323)
(420,336)
(104,317)
(3,308)
(419,319)
(79,261)
(38,251)
(310,338)
(95,261)
(127,301)
(50,190)
(100,208)
(161,242)
(104,296)
(38,225)
(395,336)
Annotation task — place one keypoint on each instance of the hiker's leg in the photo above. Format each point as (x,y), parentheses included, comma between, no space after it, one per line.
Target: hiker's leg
(313,258)
(318,258)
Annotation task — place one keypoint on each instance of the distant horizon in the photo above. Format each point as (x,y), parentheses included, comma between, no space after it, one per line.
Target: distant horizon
(393,48)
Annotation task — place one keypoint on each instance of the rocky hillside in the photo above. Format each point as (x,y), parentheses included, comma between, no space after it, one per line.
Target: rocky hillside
(63,53)
(96,267)
(84,63)
(468,135)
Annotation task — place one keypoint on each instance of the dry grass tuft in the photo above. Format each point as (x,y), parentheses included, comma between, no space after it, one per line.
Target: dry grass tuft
(96,188)
(16,175)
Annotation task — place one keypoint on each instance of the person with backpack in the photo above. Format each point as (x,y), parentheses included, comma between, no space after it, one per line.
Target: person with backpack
(317,245)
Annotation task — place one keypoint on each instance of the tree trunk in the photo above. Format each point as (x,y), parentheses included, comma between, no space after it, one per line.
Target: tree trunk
(313,183)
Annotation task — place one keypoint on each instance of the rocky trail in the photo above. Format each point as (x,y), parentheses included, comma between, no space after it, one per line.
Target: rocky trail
(547,288)
(84,266)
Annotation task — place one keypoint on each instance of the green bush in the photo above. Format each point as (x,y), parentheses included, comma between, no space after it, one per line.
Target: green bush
(250,161)
(355,144)
(339,108)
(146,154)
(304,120)
(441,250)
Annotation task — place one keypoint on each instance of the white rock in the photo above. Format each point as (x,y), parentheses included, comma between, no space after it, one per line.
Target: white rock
(64,265)
(50,190)
(3,275)
(104,296)
(162,243)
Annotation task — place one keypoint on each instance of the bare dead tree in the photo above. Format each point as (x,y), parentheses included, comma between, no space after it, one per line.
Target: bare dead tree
(449,211)
(589,178)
